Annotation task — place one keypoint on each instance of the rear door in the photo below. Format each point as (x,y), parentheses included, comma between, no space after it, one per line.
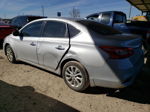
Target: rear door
(54,44)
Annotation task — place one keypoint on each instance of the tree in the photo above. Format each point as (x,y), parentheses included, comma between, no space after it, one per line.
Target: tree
(75,13)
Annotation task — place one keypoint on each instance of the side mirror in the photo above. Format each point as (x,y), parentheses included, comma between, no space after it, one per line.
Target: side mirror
(16,33)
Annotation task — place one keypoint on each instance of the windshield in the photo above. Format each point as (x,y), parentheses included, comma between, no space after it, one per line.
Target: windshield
(98,28)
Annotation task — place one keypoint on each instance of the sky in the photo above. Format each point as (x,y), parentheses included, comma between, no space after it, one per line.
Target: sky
(12,8)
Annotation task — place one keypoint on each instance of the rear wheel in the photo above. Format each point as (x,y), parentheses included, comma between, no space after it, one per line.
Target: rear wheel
(10,54)
(75,76)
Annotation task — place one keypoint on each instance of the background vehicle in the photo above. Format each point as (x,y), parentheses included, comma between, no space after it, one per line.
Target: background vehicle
(117,20)
(15,23)
(5,30)
(140,18)
(20,21)
(144,17)
(84,52)
(143,6)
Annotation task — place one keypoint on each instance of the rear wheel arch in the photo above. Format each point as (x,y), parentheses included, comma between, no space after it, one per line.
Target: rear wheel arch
(64,62)
(68,60)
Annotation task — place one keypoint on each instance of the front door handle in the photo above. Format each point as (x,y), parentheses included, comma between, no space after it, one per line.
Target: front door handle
(60,48)
(33,44)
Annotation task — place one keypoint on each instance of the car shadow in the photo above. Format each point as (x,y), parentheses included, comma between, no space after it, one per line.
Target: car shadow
(138,92)
(26,99)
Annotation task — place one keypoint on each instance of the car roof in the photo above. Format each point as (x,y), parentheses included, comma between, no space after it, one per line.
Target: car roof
(63,19)
(72,21)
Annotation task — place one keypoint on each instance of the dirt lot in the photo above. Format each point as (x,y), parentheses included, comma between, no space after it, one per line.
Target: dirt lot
(24,88)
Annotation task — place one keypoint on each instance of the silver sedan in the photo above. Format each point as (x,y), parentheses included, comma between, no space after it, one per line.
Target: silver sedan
(85,53)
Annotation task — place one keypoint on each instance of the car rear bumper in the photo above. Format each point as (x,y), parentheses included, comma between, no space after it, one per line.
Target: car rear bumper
(118,78)
(120,83)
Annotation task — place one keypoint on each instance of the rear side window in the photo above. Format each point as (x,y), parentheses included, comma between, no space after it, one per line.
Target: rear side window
(105,19)
(99,28)
(32,30)
(55,29)
(73,31)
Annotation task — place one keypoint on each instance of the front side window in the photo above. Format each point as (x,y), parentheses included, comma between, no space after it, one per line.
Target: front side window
(32,30)
(55,29)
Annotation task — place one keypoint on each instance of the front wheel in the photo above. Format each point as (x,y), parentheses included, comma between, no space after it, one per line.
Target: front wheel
(75,76)
(10,54)
(1,43)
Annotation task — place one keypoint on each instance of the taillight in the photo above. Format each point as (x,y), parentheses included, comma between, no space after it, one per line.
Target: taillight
(118,52)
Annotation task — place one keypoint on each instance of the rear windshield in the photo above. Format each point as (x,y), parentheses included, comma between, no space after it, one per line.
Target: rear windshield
(98,28)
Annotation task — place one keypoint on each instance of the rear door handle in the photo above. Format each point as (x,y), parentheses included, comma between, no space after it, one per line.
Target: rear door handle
(60,48)
(33,44)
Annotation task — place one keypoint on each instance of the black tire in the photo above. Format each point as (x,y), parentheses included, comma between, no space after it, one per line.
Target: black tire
(79,76)
(1,44)
(10,54)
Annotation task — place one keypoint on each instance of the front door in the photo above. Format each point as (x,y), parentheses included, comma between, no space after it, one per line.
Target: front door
(26,45)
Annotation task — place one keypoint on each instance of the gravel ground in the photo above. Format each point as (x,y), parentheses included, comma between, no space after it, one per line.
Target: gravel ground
(24,88)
